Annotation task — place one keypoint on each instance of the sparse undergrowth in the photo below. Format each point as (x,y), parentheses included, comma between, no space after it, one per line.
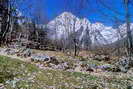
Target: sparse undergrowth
(15,74)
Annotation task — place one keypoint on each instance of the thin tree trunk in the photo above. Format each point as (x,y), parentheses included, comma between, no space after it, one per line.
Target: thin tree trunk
(75,47)
(129,34)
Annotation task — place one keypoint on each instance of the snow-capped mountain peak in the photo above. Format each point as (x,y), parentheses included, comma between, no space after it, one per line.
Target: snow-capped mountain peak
(95,33)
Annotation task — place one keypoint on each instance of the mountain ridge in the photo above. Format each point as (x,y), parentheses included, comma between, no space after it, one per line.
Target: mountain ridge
(99,34)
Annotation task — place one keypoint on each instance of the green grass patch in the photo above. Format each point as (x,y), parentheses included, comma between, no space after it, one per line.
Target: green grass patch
(15,74)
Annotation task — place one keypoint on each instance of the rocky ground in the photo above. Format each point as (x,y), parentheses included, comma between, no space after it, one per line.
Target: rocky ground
(37,69)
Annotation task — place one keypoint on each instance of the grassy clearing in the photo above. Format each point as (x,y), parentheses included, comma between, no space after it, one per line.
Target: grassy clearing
(15,74)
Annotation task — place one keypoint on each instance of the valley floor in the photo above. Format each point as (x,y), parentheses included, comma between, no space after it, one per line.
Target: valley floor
(21,73)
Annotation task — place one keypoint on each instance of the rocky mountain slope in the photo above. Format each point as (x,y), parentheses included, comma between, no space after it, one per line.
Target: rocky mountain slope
(94,33)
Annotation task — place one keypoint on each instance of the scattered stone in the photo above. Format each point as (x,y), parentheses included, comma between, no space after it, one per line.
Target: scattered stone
(101,58)
(84,67)
(24,52)
(78,69)
(124,64)
(40,58)
(90,69)
(98,58)
(9,51)
(27,53)
(53,60)
(130,71)
(62,66)
(2,86)
(106,67)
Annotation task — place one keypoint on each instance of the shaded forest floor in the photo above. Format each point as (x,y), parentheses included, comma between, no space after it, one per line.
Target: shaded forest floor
(22,73)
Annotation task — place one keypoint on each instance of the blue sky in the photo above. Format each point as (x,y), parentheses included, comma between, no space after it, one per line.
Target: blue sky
(95,10)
